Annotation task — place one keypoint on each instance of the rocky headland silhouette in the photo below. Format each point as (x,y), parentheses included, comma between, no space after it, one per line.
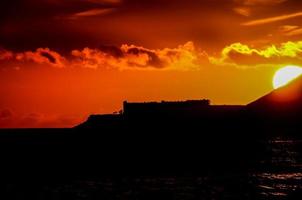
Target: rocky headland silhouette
(278,110)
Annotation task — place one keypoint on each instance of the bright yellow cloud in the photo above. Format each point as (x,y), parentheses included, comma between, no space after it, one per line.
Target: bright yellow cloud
(238,53)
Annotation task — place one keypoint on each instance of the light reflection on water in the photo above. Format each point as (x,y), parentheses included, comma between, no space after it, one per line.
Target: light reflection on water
(278,184)
(282,173)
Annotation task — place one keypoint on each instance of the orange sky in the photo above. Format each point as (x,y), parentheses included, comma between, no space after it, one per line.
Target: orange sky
(65,61)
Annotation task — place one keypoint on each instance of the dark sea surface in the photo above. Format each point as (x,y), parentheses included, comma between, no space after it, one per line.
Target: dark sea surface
(282,178)
(273,173)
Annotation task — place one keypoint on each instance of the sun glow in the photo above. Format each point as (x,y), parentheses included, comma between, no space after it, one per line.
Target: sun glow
(285,75)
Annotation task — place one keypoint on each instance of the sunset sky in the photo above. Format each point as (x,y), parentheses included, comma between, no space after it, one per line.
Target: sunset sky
(62,60)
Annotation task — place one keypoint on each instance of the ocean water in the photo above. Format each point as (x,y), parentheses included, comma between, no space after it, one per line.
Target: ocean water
(281,175)
(278,175)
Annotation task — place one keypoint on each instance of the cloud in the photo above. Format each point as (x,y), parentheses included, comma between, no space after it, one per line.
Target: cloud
(244,11)
(40,56)
(289,30)
(260,2)
(247,7)
(295,32)
(140,56)
(87,8)
(184,57)
(272,19)
(91,13)
(6,55)
(240,54)
(112,2)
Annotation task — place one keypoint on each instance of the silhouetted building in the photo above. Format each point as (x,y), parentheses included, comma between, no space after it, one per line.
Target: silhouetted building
(165,108)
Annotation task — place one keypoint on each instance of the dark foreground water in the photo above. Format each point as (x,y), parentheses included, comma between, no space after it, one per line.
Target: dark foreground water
(277,175)
(282,179)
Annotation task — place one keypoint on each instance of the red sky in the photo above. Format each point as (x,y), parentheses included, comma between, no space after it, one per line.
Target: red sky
(62,60)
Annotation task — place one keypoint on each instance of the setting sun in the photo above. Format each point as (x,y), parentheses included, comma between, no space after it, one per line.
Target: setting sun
(285,75)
